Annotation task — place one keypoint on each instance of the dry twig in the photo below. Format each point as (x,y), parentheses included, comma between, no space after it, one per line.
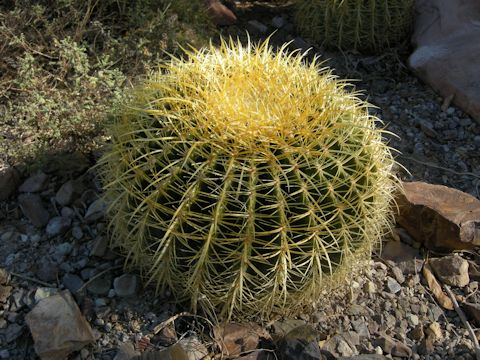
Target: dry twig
(28,278)
(465,322)
(97,276)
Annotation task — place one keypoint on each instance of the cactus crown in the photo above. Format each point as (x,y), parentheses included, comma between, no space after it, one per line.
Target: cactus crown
(247,178)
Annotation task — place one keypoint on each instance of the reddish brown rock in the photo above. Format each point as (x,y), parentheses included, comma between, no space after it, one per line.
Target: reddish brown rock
(219,13)
(58,327)
(439,217)
(236,339)
(446,36)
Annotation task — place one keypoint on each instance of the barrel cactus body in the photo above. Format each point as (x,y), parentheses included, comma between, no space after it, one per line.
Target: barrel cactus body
(365,25)
(247,180)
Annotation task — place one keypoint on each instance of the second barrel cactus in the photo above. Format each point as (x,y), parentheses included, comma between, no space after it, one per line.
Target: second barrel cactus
(247,180)
(365,25)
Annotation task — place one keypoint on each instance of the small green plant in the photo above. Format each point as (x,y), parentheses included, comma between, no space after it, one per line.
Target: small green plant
(65,63)
(365,25)
(247,180)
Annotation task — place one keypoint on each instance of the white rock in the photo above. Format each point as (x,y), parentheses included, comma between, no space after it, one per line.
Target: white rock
(413,319)
(58,328)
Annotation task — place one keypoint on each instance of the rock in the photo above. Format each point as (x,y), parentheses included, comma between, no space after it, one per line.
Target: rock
(417,333)
(434,331)
(194,348)
(72,282)
(11,333)
(473,310)
(447,49)
(174,352)
(451,270)
(100,286)
(392,346)
(235,339)
(4,354)
(5,292)
(77,232)
(32,207)
(282,328)
(68,192)
(62,250)
(278,22)
(100,246)
(257,27)
(370,288)
(34,183)
(473,270)
(126,285)
(220,14)
(4,277)
(67,212)
(96,211)
(44,292)
(58,328)
(47,271)
(412,320)
(337,345)
(356,310)
(9,180)
(126,351)
(392,285)
(58,226)
(398,273)
(426,346)
(256,355)
(361,328)
(439,217)
(300,344)
(405,257)
(299,43)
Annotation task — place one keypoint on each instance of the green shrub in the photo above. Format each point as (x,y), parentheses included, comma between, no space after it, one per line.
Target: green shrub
(246,180)
(65,63)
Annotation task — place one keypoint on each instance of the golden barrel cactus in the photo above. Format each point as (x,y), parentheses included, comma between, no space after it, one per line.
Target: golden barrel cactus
(365,25)
(246,180)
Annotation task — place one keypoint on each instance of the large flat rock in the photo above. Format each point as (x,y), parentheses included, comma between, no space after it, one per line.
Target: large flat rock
(439,217)
(447,40)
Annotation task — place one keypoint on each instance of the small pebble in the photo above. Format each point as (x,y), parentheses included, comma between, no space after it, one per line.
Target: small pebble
(393,286)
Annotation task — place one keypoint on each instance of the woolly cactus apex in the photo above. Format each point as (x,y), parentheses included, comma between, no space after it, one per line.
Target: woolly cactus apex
(365,25)
(247,180)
